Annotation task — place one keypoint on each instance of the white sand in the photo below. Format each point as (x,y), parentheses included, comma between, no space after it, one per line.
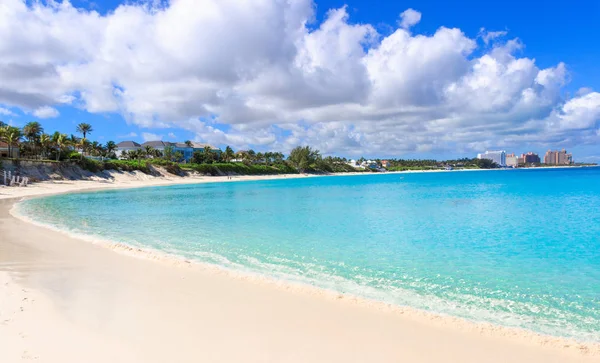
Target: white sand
(65,300)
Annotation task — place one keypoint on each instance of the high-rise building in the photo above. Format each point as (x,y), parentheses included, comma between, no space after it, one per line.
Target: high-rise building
(529,158)
(499,157)
(512,161)
(558,157)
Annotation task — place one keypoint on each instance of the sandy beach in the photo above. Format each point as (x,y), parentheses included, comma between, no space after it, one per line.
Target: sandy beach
(67,300)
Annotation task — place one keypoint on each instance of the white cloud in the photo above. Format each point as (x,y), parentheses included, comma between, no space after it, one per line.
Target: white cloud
(6,112)
(489,36)
(172,135)
(46,112)
(147,136)
(276,78)
(581,113)
(409,18)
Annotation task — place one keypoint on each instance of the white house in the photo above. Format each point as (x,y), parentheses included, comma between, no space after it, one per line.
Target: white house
(126,146)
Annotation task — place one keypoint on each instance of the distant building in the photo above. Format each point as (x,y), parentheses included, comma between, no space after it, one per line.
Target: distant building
(126,146)
(14,150)
(558,157)
(183,148)
(512,161)
(385,163)
(499,157)
(529,158)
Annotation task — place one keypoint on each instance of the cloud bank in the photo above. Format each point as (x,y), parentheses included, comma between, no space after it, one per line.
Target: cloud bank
(263,74)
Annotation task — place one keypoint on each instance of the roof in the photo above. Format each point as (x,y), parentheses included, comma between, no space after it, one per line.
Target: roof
(157,143)
(124,144)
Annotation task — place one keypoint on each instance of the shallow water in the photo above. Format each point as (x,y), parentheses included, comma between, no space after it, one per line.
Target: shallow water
(516,248)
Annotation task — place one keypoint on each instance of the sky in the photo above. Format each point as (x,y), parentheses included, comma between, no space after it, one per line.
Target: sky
(403,79)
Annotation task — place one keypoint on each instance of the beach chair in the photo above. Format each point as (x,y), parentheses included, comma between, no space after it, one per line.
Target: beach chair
(24,181)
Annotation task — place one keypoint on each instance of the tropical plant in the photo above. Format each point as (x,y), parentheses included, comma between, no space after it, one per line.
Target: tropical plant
(84,129)
(45,142)
(32,131)
(12,136)
(209,156)
(228,155)
(149,151)
(189,143)
(111,148)
(60,141)
(303,157)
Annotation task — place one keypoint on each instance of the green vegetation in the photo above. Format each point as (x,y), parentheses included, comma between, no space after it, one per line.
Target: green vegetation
(32,143)
(239,168)
(402,165)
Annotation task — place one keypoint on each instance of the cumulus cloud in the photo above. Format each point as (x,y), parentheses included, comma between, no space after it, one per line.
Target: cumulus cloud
(6,112)
(148,136)
(46,112)
(489,36)
(264,74)
(409,18)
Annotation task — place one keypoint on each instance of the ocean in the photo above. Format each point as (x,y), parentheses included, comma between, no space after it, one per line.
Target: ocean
(517,248)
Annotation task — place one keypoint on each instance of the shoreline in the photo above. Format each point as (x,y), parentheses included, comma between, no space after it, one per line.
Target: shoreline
(575,351)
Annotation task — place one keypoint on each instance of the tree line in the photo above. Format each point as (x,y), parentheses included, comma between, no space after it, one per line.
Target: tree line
(33,142)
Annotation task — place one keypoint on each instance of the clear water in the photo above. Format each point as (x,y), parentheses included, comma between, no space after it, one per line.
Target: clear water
(516,248)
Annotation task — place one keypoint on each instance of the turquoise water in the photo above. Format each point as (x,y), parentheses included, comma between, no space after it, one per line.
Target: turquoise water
(517,248)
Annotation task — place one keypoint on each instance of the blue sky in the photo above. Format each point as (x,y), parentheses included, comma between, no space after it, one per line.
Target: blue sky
(548,34)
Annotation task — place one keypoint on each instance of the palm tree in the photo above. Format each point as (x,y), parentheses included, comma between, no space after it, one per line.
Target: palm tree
(84,129)
(83,145)
(12,136)
(188,143)
(228,155)
(61,141)
(149,151)
(110,147)
(45,142)
(32,132)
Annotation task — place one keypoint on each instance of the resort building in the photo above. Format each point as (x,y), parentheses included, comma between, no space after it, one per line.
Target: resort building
(558,157)
(512,161)
(499,157)
(4,150)
(385,163)
(529,158)
(126,146)
(183,148)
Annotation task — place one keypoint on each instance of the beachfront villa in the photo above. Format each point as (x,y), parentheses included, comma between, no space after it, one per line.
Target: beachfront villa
(126,146)
(183,148)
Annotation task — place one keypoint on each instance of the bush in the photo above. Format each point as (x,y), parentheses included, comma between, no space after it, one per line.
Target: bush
(240,169)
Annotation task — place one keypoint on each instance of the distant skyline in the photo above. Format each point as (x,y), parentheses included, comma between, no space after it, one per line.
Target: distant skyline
(374,78)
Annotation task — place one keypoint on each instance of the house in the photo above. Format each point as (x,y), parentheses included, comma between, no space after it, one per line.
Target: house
(126,146)
(201,147)
(385,163)
(158,145)
(4,150)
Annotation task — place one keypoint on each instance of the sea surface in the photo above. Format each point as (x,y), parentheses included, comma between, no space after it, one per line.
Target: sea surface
(516,248)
